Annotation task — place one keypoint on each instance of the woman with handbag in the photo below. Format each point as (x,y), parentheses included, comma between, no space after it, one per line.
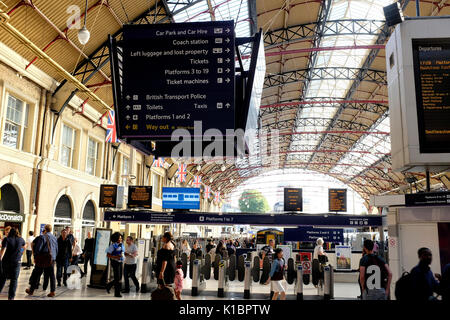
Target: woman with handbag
(10,255)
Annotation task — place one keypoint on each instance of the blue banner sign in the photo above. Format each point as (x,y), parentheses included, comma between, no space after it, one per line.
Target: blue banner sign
(310,234)
(148,217)
(181,198)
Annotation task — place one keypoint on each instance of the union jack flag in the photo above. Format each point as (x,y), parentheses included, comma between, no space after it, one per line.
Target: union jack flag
(181,172)
(197,181)
(207,192)
(158,163)
(111,133)
(217,197)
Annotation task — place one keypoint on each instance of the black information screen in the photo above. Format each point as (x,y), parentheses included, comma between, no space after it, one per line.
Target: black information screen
(139,197)
(337,200)
(428,199)
(175,74)
(108,196)
(431,59)
(293,200)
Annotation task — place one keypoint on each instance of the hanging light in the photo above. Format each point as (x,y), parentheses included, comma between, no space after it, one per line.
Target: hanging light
(218,188)
(231,180)
(83,33)
(211,180)
(223,167)
(199,167)
(385,170)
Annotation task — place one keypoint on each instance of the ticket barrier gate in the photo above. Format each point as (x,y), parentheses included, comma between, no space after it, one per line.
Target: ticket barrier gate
(148,279)
(247,280)
(198,281)
(222,284)
(328,283)
(298,290)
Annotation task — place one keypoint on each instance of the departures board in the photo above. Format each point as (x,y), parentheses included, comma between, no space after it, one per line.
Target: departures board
(337,200)
(431,60)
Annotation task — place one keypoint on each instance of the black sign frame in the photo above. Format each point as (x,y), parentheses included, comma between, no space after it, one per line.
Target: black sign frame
(299,200)
(425,146)
(425,199)
(344,200)
(101,202)
(136,203)
(119,87)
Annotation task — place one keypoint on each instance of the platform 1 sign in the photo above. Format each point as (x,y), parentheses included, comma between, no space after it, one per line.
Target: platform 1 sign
(337,200)
(175,74)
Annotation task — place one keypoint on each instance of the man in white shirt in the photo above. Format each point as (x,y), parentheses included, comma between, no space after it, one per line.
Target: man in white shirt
(29,246)
(129,270)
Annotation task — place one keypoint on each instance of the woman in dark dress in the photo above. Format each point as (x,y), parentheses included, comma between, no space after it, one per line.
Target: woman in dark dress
(165,260)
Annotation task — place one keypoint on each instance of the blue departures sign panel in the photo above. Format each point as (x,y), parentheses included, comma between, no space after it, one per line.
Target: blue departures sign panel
(175,74)
(181,198)
(310,234)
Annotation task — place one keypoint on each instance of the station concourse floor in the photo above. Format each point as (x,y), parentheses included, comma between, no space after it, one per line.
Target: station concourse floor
(342,291)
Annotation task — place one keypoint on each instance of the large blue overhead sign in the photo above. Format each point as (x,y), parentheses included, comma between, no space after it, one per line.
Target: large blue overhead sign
(243,219)
(180,198)
(175,74)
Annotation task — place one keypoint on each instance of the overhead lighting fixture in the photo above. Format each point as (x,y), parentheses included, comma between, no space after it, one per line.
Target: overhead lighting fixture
(223,168)
(83,33)
(199,167)
(385,170)
(211,180)
(393,14)
(231,180)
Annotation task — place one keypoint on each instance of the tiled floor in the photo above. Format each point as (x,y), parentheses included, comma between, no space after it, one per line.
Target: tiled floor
(235,291)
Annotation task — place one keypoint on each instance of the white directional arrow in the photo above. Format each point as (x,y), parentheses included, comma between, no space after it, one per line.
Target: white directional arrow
(227,40)
(227,80)
(227,50)
(227,70)
(127,97)
(227,30)
(227,60)
(127,117)
(127,107)
(227,105)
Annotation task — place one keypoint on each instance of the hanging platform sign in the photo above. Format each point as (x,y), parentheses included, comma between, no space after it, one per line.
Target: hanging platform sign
(175,74)
(254,219)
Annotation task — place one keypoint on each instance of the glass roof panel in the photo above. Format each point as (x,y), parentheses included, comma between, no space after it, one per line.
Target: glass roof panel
(349,58)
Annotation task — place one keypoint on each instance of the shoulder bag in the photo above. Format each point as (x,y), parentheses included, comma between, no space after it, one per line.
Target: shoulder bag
(44,259)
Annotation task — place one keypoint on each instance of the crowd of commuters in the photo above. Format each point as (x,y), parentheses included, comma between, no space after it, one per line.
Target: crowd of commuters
(375,276)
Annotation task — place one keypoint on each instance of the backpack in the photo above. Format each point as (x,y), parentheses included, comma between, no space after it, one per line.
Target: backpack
(375,260)
(403,287)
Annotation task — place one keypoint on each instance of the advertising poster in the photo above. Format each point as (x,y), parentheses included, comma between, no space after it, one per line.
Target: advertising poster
(343,257)
(287,251)
(306,260)
(102,239)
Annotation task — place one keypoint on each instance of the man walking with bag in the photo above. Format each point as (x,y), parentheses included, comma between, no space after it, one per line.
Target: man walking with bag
(45,250)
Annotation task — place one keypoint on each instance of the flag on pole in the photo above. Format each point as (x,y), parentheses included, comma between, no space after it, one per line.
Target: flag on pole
(181,173)
(197,181)
(111,133)
(217,197)
(158,163)
(207,192)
